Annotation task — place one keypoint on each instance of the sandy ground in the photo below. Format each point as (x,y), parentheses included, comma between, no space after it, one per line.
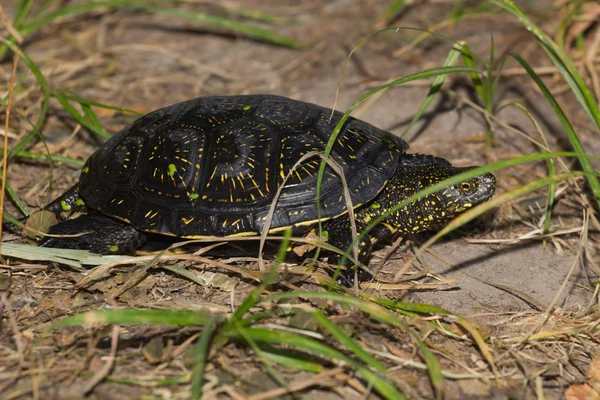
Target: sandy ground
(140,61)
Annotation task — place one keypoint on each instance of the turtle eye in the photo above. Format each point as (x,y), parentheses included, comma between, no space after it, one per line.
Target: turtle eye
(466,187)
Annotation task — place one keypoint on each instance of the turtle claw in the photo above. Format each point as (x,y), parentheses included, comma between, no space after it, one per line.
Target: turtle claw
(98,233)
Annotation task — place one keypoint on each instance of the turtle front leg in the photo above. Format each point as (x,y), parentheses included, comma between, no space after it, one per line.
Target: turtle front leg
(67,204)
(100,234)
(339,233)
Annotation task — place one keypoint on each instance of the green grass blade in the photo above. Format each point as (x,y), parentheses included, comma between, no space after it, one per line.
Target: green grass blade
(573,138)
(256,15)
(235,26)
(93,118)
(415,308)
(73,10)
(24,142)
(283,357)
(93,124)
(476,77)
(560,59)
(455,52)
(381,314)
(135,316)
(83,101)
(267,279)
(389,13)
(15,199)
(202,351)
(347,341)
(433,366)
(321,350)
(73,258)
(434,72)
(550,163)
(185,273)
(489,81)
(258,350)
(50,157)
(21,13)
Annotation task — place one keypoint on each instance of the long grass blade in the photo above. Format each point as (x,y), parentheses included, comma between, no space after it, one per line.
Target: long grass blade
(24,142)
(455,52)
(560,59)
(321,350)
(135,316)
(573,138)
(149,6)
(347,341)
(202,351)
(91,123)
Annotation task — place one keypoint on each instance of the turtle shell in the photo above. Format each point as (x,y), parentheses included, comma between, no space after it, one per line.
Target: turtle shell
(212,166)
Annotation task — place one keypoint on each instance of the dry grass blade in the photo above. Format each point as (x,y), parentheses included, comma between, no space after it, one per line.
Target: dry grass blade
(9,26)
(5,156)
(271,212)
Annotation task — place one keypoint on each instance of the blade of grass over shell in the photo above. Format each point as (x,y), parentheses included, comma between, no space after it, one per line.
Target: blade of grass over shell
(560,59)
(434,72)
(453,55)
(135,316)
(149,6)
(336,131)
(573,138)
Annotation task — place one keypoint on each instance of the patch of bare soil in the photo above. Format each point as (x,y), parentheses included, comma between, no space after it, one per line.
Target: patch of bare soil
(497,272)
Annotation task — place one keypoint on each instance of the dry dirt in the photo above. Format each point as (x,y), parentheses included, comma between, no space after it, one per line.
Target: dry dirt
(141,61)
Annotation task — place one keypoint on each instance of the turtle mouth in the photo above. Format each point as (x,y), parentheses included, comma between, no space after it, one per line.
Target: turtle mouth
(486,188)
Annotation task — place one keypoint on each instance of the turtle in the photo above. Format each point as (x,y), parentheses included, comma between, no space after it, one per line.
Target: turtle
(212,167)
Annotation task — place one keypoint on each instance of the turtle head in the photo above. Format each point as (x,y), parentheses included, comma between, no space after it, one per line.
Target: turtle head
(437,209)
